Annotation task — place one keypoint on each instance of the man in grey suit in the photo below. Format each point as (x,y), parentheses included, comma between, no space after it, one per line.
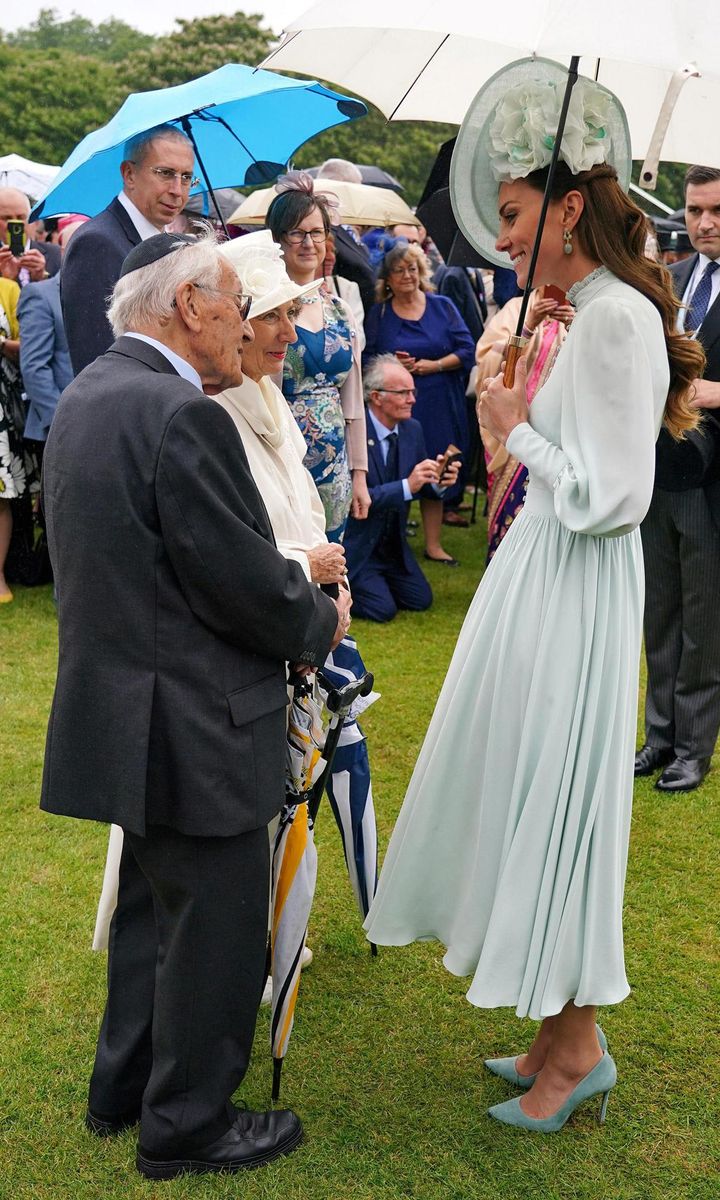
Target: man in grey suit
(176,615)
(44,358)
(681,533)
(157,173)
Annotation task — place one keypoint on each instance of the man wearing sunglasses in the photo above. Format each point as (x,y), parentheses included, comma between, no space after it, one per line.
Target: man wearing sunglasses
(157,174)
(176,617)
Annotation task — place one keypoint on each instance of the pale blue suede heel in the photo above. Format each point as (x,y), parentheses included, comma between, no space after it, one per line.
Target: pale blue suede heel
(598,1082)
(506,1069)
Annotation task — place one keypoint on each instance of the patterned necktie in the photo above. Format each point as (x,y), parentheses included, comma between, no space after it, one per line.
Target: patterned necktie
(391,462)
(698,305)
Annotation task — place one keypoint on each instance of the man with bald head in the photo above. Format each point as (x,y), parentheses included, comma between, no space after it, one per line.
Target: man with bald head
(157,174)
(39,260)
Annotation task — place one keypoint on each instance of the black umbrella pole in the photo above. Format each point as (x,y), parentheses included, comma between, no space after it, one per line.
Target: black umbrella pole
(277,1072)
(187,128)
(517,343)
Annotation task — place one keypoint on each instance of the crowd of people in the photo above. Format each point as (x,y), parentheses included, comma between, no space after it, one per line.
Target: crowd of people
(234,462)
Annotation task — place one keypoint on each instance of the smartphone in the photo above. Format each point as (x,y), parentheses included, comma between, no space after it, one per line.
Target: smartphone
(16,237)
(453,454)
(551,292)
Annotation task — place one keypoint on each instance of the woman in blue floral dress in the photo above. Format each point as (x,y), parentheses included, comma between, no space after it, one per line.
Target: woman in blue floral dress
(322,380)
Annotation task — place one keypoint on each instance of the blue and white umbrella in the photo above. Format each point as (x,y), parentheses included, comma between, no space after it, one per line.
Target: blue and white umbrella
(349,787)
(244,123)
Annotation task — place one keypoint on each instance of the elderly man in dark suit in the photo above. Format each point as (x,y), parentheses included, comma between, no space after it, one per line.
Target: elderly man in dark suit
(681,533)
(157,173)
(383,572)
(176,616)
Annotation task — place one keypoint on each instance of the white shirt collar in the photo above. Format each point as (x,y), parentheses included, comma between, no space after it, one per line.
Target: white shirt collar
(144,227)
(181,365)
(381,430)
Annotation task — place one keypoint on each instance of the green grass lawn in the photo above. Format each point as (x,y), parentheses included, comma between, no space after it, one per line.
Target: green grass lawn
(385,1063)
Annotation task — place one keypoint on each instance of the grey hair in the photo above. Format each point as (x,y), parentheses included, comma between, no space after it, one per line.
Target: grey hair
(146,297)
(136,148)
(374,374)
(339,168)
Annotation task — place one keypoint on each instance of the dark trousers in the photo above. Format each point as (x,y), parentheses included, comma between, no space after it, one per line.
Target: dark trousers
(681,548)
(185,973)
(383,586)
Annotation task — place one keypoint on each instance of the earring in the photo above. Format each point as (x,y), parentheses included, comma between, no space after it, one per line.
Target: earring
(567,241)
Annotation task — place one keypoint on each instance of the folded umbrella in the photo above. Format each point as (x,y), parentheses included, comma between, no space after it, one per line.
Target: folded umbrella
(294,862)
(244,125)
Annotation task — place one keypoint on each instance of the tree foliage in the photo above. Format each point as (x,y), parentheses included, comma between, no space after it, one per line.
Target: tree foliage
(62,78)
(111,40)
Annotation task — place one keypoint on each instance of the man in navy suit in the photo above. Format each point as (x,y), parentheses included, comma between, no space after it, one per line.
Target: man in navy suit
(157,173)
(681,533)
(383,572)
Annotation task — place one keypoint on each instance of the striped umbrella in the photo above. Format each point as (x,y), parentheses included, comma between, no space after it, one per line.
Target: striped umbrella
(349,786)
(311,749)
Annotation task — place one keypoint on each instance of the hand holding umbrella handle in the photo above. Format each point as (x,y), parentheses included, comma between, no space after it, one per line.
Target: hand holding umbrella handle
(515,348)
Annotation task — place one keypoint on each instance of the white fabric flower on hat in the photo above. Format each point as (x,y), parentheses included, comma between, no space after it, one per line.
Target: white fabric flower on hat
(522,132)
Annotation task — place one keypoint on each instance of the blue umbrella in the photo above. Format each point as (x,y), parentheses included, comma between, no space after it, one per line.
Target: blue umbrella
(244,125)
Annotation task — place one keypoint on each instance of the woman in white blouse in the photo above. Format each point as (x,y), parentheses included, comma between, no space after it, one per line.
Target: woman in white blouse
(273,443)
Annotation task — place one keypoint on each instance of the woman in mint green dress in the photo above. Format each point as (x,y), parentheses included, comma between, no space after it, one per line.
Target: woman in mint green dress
(511,846)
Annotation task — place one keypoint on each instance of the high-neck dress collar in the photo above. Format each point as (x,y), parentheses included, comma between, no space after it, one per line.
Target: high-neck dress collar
(585,288)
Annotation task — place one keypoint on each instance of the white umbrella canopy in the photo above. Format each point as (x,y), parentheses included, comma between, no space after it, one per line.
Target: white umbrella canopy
(30,177)
(358,204)
(414,69)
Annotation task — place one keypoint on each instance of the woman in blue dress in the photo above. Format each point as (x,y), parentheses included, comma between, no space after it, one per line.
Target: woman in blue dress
(428,336)
(321,374)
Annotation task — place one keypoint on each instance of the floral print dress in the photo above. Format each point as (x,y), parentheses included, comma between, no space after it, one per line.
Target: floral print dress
(18,468)
(316,367)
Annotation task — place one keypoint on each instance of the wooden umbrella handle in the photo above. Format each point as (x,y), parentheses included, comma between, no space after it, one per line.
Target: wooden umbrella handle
(515,348)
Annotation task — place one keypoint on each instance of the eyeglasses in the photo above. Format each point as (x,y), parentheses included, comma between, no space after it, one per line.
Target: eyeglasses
(274,316)
(398,391)
(296,237)
(242,302)
(187,179)
(404,271)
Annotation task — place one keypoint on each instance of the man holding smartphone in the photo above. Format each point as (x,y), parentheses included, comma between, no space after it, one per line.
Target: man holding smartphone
(383,572)
(21,258)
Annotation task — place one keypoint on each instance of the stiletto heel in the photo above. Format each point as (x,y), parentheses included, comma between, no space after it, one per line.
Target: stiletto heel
(603,1108)
(507,1070)
(599,1081)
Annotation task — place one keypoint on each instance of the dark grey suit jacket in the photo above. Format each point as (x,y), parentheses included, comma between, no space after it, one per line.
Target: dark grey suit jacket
(176,612)
(694,461)
(90,270)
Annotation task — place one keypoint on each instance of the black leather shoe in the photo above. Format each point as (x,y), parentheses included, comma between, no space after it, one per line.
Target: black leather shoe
(683,775)
(252,1140)
(105,1126)
(651,759)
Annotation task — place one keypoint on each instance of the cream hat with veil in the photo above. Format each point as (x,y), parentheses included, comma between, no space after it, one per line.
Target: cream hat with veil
(259,262)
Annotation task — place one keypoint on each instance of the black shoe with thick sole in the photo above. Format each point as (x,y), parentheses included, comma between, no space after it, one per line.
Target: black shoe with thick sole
(252,1141)
(683,775)
(105,1126)
(651,758)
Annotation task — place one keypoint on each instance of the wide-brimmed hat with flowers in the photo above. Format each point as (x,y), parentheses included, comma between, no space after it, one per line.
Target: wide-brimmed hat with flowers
(258,261)
(510,130)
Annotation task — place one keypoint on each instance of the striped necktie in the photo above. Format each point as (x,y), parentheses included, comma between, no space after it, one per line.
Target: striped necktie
(698,306)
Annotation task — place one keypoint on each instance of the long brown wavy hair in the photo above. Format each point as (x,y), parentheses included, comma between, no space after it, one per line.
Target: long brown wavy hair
(613,230)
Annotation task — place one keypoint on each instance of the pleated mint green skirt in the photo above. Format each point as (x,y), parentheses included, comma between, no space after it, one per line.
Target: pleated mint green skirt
(511,845)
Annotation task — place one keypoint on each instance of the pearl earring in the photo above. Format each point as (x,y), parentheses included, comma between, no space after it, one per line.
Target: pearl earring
(567,241)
